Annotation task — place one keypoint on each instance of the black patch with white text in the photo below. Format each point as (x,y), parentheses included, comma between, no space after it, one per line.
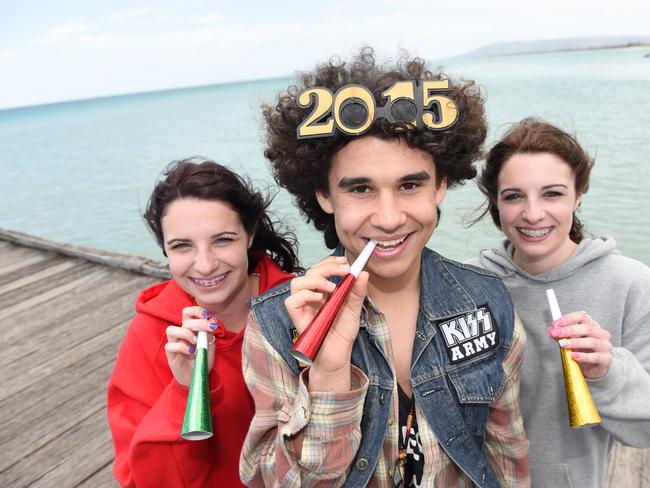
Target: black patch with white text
(469,335)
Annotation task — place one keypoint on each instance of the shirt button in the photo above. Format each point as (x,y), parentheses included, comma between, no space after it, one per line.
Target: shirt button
(362,464)
(382,398)
(390,421)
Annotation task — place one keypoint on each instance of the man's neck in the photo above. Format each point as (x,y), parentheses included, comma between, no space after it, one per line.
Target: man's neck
(383,290)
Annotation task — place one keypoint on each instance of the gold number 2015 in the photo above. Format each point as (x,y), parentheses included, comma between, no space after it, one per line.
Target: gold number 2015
(433,110)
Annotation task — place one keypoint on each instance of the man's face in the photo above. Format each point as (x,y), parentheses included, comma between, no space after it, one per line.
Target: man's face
(386,191)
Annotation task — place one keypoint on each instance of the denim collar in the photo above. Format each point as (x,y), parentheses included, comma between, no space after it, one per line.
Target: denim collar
(441,295)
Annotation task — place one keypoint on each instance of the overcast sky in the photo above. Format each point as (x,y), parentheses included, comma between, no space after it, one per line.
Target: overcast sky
(73,49)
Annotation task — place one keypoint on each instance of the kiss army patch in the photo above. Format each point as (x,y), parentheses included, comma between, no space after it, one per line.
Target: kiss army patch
(469,335)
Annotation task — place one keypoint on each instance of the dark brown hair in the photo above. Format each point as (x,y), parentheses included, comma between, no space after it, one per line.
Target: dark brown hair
(302,166)
(206,180)
(535,136)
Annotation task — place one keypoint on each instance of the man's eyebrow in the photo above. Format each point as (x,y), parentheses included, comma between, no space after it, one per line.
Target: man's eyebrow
(349,181)
(419,176)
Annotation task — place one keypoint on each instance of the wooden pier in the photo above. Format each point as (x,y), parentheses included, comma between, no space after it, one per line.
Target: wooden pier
(63,312)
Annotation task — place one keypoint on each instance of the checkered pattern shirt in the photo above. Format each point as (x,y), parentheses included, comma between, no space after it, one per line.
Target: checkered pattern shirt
(330,424)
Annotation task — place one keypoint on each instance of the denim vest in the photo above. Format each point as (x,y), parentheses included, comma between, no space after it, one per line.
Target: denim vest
(454,384)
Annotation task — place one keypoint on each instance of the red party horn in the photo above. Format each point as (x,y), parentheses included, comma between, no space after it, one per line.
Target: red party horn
(306,347)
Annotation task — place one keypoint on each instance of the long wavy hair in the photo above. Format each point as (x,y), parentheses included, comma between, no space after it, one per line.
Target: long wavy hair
(535,136)
(206,180)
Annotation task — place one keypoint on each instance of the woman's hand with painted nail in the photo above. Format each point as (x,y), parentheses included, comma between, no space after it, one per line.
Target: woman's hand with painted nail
(181,343)
(590,344)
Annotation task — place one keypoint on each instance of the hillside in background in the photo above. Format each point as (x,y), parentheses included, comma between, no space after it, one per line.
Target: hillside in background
(548,45)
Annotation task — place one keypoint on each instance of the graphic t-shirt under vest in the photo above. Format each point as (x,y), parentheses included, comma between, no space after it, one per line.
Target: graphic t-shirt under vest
(414,458)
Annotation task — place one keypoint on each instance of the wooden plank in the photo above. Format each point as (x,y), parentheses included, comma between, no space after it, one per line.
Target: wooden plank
(137,264)
(77,269)
(11,253)
(38,276)
(31,423)
(32,369)
(61,375)
(84,459)
(79,311)
(9,269)
(66,329)
(86,436)
(31,300)
(102,478)
(30,285)
(628,467)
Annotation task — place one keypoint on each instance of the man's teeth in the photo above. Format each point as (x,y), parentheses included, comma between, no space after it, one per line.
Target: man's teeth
(211,282)
(534,232)
(396,242)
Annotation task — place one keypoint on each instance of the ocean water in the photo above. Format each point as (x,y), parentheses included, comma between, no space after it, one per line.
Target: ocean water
(81,172)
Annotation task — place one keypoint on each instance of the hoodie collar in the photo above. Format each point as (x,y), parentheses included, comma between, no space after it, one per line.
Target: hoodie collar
(499,259)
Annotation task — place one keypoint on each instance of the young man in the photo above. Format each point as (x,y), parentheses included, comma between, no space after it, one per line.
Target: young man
(416,383)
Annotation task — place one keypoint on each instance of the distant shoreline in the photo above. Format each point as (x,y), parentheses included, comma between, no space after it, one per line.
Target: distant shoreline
(631,45)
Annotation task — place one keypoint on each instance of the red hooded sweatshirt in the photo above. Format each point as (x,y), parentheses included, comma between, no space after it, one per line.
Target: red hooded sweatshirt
(146,405)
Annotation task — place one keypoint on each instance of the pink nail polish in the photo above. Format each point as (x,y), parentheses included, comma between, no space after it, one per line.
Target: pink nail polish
(558,323)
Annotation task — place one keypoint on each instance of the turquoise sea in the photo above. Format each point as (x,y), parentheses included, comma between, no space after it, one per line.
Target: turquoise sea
(81,172)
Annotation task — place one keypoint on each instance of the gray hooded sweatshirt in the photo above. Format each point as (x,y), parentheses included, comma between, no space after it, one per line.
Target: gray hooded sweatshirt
(615,291)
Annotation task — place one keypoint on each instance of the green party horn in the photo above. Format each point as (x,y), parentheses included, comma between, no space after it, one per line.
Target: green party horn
(197,424)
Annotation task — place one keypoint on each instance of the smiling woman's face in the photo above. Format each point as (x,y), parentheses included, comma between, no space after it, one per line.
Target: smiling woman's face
(536,201)
(207,246)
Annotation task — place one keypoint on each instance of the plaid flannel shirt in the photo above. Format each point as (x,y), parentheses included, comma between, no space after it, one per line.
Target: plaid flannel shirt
(330,424)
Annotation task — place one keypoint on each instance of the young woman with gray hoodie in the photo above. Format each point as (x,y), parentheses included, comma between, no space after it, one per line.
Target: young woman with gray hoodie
(534,179)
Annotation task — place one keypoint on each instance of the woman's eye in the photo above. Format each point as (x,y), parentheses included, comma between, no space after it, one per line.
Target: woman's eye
(223,240)
(553,194)
(511,196)
(179,246)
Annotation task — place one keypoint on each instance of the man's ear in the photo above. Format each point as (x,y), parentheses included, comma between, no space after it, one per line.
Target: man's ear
(324,202)
(441,191)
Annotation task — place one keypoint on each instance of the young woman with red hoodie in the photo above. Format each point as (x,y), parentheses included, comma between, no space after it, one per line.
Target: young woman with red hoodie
(222,249)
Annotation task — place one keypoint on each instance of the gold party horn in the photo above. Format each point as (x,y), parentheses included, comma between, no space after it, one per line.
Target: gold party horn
(582,409)
(197,424)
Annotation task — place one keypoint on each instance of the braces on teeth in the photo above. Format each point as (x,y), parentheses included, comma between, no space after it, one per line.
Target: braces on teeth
(209,282)
(534,233)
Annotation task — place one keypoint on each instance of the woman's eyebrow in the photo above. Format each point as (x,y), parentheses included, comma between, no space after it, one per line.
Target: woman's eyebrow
(177,239)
